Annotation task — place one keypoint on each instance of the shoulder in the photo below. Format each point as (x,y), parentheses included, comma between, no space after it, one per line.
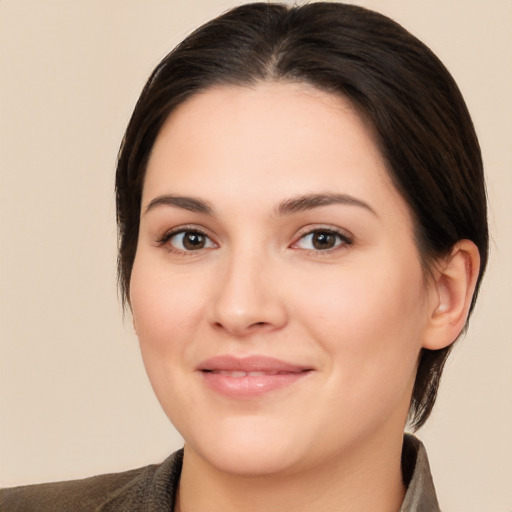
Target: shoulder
(85,494)
(129,490)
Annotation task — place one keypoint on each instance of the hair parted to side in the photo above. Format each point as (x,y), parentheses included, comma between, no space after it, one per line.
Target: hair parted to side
(417,113)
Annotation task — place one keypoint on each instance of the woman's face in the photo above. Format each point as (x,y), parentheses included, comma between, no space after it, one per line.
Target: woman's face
(277,290)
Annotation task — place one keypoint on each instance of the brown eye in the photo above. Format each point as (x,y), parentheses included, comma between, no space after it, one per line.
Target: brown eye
(186,241)
(322,240)
(193,241)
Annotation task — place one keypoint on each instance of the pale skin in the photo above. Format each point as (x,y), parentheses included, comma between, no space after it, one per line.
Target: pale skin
(269,226)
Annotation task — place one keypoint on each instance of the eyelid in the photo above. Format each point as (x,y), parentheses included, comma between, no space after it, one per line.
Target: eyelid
(346,238)
(166,237)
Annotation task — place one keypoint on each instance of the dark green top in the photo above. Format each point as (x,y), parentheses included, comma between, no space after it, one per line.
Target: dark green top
(153,488)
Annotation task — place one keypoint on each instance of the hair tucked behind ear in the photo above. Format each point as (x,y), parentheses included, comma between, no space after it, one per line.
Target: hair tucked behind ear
(418,115)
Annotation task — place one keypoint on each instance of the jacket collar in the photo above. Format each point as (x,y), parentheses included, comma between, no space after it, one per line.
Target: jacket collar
(161,486)
(421,494)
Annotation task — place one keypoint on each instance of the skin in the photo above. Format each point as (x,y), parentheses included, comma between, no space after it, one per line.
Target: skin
(356,313)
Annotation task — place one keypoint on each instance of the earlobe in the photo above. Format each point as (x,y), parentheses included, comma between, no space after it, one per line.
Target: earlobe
(453,286)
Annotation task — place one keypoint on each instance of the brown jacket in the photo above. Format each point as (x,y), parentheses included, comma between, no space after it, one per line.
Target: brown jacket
(153,488)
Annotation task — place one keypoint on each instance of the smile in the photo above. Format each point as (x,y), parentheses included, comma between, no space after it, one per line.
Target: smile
(249,377)
(238,374)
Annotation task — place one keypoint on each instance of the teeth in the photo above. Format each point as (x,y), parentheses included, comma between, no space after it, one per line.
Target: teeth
(233,374)
(244,374)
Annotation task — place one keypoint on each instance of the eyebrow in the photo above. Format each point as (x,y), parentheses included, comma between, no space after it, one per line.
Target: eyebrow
(288,207)
(311,201)
(187,203)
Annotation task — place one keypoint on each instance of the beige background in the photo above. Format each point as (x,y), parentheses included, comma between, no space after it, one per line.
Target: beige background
(74,398)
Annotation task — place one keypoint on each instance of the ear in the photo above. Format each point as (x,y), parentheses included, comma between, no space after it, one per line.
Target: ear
(451,291)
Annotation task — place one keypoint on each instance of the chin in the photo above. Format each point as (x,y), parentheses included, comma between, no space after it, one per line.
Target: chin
(246,447)
(247,461)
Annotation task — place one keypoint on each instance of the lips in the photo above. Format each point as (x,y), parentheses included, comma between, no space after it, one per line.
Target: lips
(249,377)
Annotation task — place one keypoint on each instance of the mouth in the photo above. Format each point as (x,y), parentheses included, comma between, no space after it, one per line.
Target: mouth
(250,377)
(238,374)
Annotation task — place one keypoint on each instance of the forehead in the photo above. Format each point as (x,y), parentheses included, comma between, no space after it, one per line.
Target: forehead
(272,120)
(266,142)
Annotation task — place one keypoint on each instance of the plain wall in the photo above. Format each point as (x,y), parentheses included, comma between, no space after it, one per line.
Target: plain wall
(74,398)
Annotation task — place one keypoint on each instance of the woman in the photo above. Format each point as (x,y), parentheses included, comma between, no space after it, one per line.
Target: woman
(302,223)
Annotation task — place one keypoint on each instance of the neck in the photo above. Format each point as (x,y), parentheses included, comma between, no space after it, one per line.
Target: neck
(369,478)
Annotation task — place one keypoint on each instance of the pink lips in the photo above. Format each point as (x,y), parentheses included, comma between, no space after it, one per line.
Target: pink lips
(249,377)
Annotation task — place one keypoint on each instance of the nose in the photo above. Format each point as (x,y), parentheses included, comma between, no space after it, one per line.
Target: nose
(248,297)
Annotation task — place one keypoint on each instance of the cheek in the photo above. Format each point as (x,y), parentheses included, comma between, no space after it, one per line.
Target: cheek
(371,320)
(166,310)
(371,329)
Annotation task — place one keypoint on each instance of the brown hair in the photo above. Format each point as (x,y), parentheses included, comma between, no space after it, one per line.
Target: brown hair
(418,115)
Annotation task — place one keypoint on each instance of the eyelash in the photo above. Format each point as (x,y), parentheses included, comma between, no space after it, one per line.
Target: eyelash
(343,240)
(165,239)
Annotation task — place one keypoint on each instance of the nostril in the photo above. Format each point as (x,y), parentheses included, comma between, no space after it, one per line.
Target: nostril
(258,324)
